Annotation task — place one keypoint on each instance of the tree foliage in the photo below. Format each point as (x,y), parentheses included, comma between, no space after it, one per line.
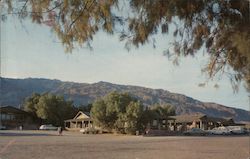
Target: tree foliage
(85,108)
(50,108)
(122,113)
(162,111)
(30,103)
(220,27)
(117,112)
(133,117)
(98,114)
(156,112)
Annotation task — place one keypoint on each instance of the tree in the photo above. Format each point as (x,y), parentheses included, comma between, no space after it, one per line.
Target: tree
(50,108)
(133,117)
(117,112)
(85,108)
(29,106)
(163,111)
(156,112)
(219,27)
(30,102)
(98,114)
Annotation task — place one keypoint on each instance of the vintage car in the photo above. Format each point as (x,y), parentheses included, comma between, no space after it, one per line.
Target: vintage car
(195,132)
(89,130)
(237,129)
(220,131)
(48,127)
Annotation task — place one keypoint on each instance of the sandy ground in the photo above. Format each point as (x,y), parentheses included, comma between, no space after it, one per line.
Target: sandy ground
(47,145)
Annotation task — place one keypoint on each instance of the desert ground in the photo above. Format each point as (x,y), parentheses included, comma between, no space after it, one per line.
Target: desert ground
(73,145)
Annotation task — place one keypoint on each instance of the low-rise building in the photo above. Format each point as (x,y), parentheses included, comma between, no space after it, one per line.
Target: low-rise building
(202,121)
(81,120)
(188,121)
(14,118)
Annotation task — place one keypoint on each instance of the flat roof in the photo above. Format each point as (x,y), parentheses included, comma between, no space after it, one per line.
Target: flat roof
(11,109)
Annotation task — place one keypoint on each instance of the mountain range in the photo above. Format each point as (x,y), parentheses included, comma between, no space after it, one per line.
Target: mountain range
(15,91)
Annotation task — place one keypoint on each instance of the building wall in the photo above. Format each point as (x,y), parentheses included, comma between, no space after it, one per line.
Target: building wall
(14,121)
(78,125)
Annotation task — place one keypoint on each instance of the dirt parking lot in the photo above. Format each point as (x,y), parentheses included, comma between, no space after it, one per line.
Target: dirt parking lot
(47,145)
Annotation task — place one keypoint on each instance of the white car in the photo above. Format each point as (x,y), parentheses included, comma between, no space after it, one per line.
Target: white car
(48,127)
(220,131)
(236,129)
(89,130)
(2,127)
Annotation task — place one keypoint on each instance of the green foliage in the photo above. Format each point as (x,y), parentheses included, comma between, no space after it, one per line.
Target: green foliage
(98,114)
(121,113)
(221,27)
(133,117)
(71,20)
(116,112)
(156,112)
(30,103)
(50,108)
(162,111)
(85,108)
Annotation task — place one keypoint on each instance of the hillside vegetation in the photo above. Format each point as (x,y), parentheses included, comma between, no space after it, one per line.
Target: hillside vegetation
(14,92)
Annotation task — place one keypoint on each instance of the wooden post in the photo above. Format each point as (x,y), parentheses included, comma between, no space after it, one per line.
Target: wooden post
(87,123)
(201,126)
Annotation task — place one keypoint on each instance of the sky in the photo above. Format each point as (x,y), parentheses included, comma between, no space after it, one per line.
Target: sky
(31,50)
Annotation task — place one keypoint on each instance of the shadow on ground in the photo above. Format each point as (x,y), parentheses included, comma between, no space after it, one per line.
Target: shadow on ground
(24,134)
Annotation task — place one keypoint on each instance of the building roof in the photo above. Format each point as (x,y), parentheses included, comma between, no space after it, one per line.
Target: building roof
(221,120)
(11,109)
(79,120)
(80,116)
(188,118)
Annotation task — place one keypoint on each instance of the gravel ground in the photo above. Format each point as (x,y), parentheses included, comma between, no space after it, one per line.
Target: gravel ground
(48,145)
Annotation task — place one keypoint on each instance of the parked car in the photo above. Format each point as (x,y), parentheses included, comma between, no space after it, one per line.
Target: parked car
(237,129)
(220,131)
(247,131)
(89,130)
(48,127)
(2,127)
(195,131)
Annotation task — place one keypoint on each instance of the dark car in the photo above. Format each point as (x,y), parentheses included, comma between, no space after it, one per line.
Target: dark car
(195,132)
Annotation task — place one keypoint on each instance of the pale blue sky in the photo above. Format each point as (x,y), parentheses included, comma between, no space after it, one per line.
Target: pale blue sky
(31,50)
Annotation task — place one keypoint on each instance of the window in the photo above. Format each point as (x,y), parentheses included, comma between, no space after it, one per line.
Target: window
(3,116)
(154,122)
(8,116)
(12,116)
(164,121)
